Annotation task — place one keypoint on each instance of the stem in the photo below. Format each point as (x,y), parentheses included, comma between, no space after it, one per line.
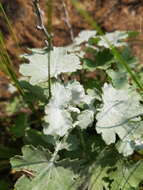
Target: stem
(46,32)
(67,21)
(40,25)
(83,144)
(49,78)
(50,11)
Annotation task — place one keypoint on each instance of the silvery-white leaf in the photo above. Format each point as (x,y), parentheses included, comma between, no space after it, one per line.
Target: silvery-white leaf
(126,148)
(90,98)
(84,36)
(58,112)
(85,119)
(118,114)
(77,92)
(73,109)
(60,95)
(139,144)
(58,121)
(62,104)
(73,93)
(46,174)
(114,38)
(133,138)
(60,62)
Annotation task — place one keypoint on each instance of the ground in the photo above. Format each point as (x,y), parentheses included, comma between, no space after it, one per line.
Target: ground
(111,15)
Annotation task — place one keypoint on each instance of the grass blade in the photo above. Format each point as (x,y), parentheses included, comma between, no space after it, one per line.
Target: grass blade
(114,50)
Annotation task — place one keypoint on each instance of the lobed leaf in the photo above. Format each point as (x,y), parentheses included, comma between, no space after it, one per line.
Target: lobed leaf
(61,61)
(114,38)
(85,119)
(44,174)
(119,115)
(63,102)
(84,36)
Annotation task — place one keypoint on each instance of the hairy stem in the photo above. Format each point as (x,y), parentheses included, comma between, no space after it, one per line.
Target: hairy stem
(47,32)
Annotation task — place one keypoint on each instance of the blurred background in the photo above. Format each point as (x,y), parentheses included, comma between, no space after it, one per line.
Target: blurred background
(18,25)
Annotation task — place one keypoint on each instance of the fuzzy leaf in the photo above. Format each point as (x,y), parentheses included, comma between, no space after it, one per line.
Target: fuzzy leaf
(84,36)
(120,176)
(77,92)
(127,177)
(45,174)
(119,79)
(100,178)
(56,109)
(118,114)
(60,107)
(59,120)
(60,60)
(85,119)
(133,139)
(111,172)
(60,95)
(114,38)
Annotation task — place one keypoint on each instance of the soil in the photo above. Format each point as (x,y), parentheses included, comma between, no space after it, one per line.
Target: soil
(111,15)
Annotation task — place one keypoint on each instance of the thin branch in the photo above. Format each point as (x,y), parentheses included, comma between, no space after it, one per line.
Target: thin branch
(49,11)
(48,36)
(67,20)
(40,25)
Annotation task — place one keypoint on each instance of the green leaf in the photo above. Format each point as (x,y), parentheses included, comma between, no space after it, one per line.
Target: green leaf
(133,34)
(45,174)
(127,176)
(37,138)
(7,152)
(119,78)
(33,93)
(129,58)
(21,123)
(5,184)
(60,62)
(103,59)
(120,115)
(89,64)
(13,105)
(119,176)
(106,160)
(71,143)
